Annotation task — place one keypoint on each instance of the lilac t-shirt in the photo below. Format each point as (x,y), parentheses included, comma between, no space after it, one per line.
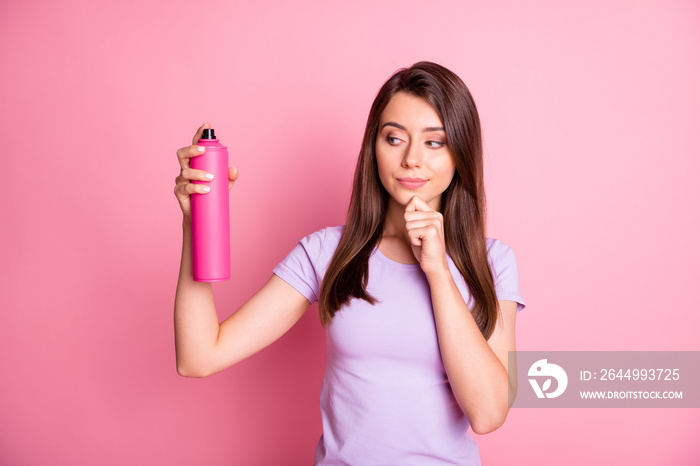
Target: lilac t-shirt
(385,398)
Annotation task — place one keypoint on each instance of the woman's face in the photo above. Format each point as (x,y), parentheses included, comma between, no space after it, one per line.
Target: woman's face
(412,153)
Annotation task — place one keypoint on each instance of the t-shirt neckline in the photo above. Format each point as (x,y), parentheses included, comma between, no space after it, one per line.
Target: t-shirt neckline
(379,255)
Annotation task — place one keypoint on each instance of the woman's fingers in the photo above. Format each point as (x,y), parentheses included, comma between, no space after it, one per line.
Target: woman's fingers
(419,215)
(422,219)
(184,188)
(190,174)
(423,231)
(184,154)
(418,204)
(198,134)
(422,222)
(232,176)
(183,182)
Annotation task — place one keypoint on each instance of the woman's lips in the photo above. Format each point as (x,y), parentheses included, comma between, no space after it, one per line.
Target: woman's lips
(412,183)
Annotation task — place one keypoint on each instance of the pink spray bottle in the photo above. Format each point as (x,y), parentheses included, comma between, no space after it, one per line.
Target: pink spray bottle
(211,244)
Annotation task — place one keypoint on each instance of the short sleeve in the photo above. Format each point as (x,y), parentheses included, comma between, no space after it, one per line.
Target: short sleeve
(505,270)
(299,268)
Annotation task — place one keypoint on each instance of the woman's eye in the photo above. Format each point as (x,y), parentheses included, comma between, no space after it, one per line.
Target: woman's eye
(435,144)
(392,140)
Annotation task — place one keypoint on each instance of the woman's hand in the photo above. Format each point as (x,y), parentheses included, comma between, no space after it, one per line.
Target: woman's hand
(183,187)
(427,236)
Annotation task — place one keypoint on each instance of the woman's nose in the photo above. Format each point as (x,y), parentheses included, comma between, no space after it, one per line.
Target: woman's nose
(413,156)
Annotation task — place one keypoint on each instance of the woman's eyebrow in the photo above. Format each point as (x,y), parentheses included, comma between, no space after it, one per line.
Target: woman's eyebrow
(429,129)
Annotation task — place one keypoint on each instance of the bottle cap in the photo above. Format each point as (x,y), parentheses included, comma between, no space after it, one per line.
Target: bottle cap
(208,133)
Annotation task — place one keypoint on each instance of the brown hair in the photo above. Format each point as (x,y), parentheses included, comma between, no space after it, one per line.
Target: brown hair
(463,204)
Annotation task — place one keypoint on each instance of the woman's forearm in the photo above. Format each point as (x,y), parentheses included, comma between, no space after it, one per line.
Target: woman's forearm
(196,321)
(478,379)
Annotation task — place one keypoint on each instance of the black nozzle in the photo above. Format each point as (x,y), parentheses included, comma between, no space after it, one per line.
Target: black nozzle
(208,133)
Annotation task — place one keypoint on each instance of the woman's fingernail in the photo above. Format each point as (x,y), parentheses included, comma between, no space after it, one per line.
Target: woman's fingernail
(205,189)
(200,148)
(209,176)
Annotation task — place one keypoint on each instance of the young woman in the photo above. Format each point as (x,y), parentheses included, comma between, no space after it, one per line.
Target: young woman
(418,305)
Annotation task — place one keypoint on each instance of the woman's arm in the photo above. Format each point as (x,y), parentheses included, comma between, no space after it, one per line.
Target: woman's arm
(202,345)
(477,369)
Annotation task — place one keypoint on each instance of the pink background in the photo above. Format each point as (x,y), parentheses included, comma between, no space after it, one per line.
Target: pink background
(590,115)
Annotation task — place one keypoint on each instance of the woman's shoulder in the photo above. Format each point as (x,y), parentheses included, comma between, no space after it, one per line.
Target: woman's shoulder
(323,240)
(331,234)
(495,246)
(334,233)
(504,265)
(500,254)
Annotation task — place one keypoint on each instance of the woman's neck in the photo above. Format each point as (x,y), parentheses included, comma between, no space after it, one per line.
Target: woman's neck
(395,223)
(394,242)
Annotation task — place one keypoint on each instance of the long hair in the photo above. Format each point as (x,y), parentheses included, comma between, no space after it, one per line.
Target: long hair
(463,204)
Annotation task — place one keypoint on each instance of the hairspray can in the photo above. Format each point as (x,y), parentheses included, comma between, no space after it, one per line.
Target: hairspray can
(211,244)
